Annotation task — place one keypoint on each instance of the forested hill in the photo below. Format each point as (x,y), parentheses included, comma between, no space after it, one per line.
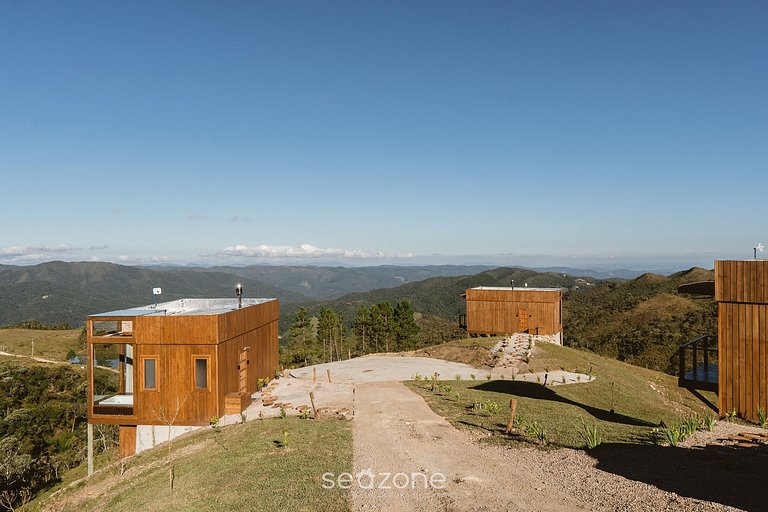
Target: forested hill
(641,321)
(327,283)
(441,296)
(58,292)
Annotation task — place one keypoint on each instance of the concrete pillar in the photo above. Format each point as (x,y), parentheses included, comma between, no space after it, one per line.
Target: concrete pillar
(90,449)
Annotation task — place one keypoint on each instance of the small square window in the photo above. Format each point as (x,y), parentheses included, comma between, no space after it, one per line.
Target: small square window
(201,373)
(150,373)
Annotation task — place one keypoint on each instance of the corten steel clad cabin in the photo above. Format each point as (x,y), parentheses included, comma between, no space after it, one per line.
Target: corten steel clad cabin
(510,310)
(741,292)
(735,362)
(191,358)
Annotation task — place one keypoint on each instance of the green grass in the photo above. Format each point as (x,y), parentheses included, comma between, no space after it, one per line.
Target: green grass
(472,351)
(640,400)
(48,344)
(237,468)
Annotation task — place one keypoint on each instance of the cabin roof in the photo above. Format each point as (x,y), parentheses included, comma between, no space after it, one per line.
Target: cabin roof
(515,288)
(183,307)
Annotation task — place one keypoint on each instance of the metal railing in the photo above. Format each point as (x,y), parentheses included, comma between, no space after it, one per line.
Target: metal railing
(698,363)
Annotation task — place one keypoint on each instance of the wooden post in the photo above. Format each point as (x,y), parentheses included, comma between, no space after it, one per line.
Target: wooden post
(512,407)
(90,449)
(314,374)
(312,401)
(328,371)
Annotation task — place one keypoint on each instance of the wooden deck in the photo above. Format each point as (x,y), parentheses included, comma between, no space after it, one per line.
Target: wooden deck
(704,377)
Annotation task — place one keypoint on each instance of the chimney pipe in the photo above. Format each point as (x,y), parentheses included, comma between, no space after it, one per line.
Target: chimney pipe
(239,293)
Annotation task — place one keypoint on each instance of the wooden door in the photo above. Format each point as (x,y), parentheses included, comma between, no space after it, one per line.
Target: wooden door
(522,320)
(243,367)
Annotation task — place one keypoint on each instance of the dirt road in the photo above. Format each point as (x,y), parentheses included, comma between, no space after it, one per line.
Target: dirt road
(395,431)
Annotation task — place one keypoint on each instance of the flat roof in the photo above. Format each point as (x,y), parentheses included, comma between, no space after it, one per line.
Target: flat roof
(516,288)
(184,307)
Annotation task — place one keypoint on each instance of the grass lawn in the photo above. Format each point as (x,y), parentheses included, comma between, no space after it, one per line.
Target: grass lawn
(640,400)
(237,468)
(472,351)
(48,344)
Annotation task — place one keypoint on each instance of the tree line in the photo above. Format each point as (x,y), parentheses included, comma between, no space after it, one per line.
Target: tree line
(328,337)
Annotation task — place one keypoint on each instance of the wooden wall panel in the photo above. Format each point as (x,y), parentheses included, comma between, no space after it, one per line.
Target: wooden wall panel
(176,386)
(127,441)
(497,311)
(741,281)
(182,330)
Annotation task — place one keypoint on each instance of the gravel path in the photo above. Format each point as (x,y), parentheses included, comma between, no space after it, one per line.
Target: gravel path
(395,431)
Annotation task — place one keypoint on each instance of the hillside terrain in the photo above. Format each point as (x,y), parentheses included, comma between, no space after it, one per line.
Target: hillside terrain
(326,283)
(641,321)
(57,292)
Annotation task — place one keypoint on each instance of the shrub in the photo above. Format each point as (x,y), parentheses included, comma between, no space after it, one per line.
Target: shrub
(709,421)
(761,417)
(538,432)
(589,434)
(492,407)
(672,435)
(283,414)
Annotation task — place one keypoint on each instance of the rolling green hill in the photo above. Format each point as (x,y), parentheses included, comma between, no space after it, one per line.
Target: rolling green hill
(57,292)
(641,321)
(327,283)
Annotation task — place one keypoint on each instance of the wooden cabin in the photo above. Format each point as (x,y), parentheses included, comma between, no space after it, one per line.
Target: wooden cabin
(177,364)
(741,292)
(510,310)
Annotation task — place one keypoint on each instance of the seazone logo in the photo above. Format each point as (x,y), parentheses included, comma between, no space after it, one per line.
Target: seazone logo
(367,479)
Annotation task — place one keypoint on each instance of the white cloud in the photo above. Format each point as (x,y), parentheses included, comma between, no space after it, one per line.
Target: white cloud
(17,253)
(303,251)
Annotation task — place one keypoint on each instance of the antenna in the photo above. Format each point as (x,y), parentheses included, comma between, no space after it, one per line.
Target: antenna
(758,247)
(239,293)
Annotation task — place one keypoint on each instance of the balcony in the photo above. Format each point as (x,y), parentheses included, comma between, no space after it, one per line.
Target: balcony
(698,364)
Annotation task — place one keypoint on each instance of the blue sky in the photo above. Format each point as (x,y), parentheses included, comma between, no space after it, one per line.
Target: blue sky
(366,132)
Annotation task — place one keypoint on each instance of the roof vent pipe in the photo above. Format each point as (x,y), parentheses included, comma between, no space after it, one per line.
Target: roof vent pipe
(239,293)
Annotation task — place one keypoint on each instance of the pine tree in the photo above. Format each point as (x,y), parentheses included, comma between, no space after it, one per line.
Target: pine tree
(327,325)
(362,326)
(386,312)
(405,327)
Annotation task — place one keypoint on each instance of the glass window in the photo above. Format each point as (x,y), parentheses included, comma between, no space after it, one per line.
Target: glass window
(201,373)
(150,373)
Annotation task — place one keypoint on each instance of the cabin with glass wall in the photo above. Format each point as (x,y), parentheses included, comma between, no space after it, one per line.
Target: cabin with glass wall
(177,364)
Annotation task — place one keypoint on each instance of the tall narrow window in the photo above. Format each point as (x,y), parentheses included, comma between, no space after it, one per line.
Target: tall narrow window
(150,373)
(201,373)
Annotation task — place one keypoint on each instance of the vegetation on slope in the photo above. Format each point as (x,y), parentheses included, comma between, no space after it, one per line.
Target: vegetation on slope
(642,321)
(42,430)
(625,403)
(49,343)
(274,464)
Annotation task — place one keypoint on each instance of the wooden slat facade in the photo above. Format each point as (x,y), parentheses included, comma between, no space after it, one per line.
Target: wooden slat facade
(174,343)
(741,291)
(508,311)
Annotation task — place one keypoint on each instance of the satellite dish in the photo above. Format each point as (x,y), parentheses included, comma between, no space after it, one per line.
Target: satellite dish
(760,247)
(157,291)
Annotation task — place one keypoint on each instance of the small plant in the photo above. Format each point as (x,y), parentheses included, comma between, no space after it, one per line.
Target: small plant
(488,377)
(762,419)
(444,388)
(578,377)
(562,379)
(492,407)
(538,379)
(243,417)
(457,396)
(477,406)
(538,432)
(672,435)
(283,441)
(709,421)
(214,421)
(417,377)
(458,377)
(283,414)
(731,416)
(305,414)
(472,376)
(589,434)
(690,424)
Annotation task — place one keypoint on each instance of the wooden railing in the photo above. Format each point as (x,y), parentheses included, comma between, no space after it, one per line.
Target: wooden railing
(698,363)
